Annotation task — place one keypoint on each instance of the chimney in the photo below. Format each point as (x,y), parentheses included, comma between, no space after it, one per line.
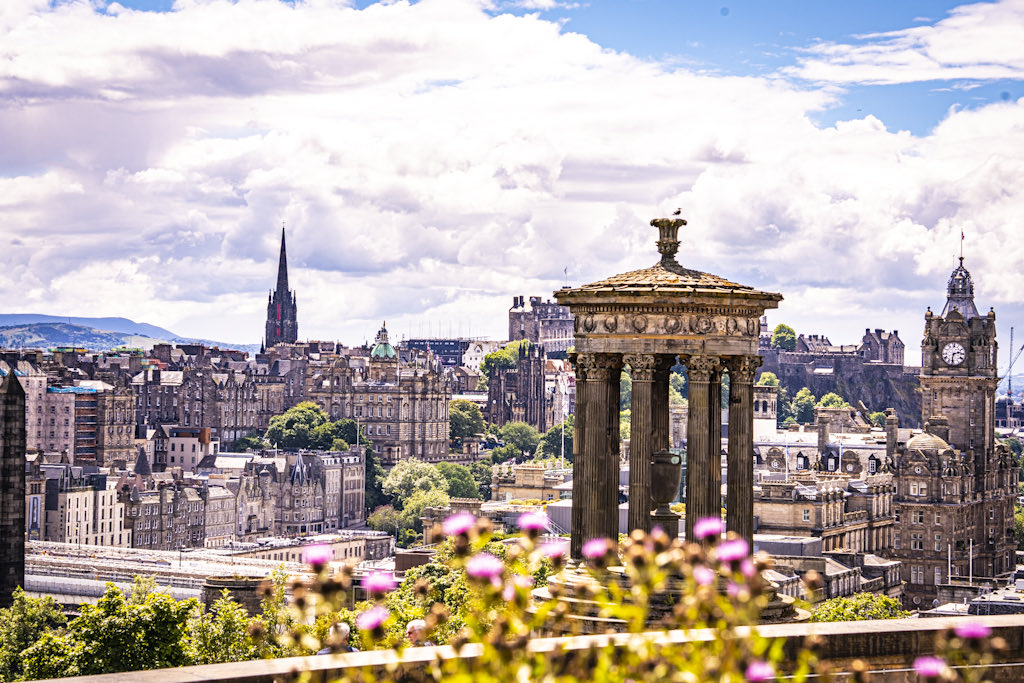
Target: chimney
(939,426)
(822,434)
(892,432)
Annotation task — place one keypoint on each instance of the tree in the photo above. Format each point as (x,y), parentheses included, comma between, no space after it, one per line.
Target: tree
(303,426)
(115,635)
(373,494)
(551,442)
(21,626)
(1013,443)
(466,419)
(410,476)
(244,443)
(625,390)
(419,501)
(858,608)
(768,379)
(677,382)
(784,338)
(220,635)
(385,518)
(877,419)
(1018,526)
(803,406)
(505,453)
(460,480)
(507,357)
(520,435)
(482,470)
(832,400)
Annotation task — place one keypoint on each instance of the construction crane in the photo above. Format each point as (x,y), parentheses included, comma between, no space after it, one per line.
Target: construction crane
(1013,359)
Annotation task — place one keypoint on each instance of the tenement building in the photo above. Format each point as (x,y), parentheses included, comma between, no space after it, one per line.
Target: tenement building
(956,485)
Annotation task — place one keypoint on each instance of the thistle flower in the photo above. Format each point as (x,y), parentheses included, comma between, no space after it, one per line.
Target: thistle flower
(484,567)
(972,630)
(707,527)
(379,583)
(317,555)
(758,671)
(458,524)
(930,668)
(733,550)
(533,521)
(704,576)
(596,548)
(373,619)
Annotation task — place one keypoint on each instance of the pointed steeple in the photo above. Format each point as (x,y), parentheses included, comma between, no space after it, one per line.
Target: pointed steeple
(960,293)
(282,268)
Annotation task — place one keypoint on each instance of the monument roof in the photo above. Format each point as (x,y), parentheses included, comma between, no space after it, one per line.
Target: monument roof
(925,441)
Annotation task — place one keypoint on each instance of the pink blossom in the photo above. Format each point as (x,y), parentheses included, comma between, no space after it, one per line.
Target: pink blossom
(533,521)
(596,548)
(707,527)
(704,576)
(929,667)
(320,553)
(760,671)
(747,568)
(372,618)
(972,630)
(459,524)
(379,583)
(553,550)
(484,566)
(733,551)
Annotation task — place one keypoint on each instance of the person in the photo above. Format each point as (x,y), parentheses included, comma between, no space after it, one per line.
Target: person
(337,639)
(416,632)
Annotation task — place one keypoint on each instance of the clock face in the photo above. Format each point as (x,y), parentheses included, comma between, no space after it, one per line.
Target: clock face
(953,353)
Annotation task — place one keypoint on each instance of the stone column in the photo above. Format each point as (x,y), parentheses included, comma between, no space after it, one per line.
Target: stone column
(583,363)
(659,403)
(641,437)
(699,499)
(740,493)
(715,438)
(596,450)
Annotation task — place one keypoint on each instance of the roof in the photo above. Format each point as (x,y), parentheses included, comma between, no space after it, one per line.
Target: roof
(925,441)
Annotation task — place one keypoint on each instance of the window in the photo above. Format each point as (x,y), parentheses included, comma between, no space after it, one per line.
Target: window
(917,543)
(917,517)
(938,542)
(807,514)
(916,574)
(938,518)
(938,575)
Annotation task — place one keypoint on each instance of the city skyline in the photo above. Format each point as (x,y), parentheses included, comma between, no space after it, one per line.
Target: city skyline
(432,160)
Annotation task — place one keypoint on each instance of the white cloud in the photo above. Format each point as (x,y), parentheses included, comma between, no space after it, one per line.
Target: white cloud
(433,160)
(982,41)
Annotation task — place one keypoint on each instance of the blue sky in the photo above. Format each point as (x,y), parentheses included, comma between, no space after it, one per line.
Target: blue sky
(434,159)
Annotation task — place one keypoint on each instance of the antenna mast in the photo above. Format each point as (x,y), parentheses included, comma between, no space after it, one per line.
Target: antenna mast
(1009,373)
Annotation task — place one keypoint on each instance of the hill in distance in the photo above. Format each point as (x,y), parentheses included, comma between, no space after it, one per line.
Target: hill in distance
(32,330)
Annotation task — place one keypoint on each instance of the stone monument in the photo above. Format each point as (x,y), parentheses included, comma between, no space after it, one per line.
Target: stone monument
(12,487)
(647,319)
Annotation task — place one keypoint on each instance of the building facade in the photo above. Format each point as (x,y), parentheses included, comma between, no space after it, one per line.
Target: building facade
(545,323)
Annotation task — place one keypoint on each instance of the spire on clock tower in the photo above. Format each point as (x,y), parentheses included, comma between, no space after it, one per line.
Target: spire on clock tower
(960,293)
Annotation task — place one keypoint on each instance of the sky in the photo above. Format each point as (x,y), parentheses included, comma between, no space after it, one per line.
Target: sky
(430,160)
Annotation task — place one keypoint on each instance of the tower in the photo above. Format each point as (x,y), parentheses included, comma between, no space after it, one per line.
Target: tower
(12,487)
(959,371)
(282,312)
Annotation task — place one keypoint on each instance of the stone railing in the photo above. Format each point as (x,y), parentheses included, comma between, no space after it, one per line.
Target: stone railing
(889,648)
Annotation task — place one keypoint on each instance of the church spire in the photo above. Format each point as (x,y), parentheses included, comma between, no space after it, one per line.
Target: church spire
(960,293)
(282,267)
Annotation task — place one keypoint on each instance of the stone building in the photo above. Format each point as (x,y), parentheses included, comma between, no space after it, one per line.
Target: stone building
(401,405)
(282,310)
(957,487)
(82,506)
(518,394)
(220,516)
(545,323)
(528,481)
(12,487)
(169,517)
(651,319)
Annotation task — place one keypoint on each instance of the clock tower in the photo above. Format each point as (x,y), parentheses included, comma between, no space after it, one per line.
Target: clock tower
(958,370)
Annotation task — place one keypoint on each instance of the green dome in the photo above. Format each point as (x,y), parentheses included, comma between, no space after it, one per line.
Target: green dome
(382,348)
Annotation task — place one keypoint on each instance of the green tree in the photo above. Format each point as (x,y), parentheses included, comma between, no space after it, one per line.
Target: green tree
(346,430)
(505,453)
(220,635)
(409,476)
(482,470)
(385,518)
(832,400)
(877,419)
(625,390)
(373,493)
(1013,443)
(803,406)
(520,435)
(114,635)
(419,501)
(507,357)
(466,419)
(858,607)
(21,626)
(551,442)
(304,426)
(625,418)
(677,382)
(768,379)
(252,442)
(1018,526)
(461,483)
(784,407)
(784,338)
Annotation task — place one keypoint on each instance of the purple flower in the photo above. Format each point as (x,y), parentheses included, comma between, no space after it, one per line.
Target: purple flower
(929,667)
(484,566)
(733,551)
(707,527)
(596,548)
(459,524)
(533,521)
(372,619)
(704,576)
(319,554)
(747,568)
(972,630)
(379,583)
(553,550)
(760,671)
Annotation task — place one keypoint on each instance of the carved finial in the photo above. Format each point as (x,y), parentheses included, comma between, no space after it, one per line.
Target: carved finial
(668,239)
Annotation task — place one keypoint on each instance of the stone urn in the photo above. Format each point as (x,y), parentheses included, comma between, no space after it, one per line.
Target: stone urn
(666,471)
